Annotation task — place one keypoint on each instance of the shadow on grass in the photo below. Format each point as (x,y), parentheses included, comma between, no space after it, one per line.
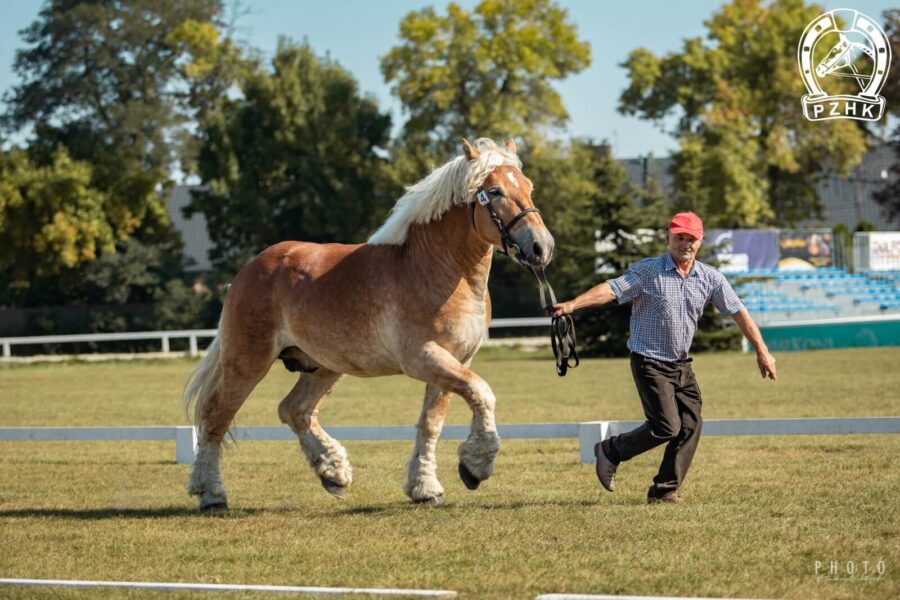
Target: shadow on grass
(382,509)
(404,507)
(80,461)
(101,514)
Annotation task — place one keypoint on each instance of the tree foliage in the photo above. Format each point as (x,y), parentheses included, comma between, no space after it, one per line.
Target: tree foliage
(486,72)
(102,79)
(603,223)
(748,157)
(889,195)
(296,156)
(51,219)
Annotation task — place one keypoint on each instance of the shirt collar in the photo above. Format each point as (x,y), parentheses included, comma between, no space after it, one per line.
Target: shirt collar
(669,265)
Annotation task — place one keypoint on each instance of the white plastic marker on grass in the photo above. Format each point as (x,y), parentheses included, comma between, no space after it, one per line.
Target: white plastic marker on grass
(225,587)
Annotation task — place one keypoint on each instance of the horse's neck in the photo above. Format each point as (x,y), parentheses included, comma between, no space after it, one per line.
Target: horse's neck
(449,247)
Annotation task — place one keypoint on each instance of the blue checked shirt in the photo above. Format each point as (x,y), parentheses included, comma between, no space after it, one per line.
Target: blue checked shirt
(667,307)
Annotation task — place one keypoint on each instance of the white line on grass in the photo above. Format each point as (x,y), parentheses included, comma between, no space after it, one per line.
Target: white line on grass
(609,597)
(222,587)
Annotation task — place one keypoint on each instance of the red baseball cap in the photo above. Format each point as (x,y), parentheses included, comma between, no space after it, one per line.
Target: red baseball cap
(687,222)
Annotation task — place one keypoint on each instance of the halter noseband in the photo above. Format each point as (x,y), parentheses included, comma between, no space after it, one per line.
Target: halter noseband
(485,201)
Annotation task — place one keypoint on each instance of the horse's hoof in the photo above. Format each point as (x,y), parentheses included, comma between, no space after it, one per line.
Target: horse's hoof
(214,507)
(336,490)
(467,478)
(433,501)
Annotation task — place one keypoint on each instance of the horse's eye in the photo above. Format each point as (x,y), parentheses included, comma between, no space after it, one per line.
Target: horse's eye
(496,192)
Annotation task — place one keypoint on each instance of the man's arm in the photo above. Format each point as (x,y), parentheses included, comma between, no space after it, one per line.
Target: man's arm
(596,296)
(764,360)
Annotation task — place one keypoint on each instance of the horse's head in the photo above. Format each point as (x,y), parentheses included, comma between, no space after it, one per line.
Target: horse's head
(839,52)
(504,214)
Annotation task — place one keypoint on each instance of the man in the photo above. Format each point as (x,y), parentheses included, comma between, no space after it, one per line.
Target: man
(669,293)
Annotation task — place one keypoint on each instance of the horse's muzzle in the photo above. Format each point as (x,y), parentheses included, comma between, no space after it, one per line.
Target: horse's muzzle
(535,245)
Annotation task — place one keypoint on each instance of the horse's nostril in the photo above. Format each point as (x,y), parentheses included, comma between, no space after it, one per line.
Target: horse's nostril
(538,251)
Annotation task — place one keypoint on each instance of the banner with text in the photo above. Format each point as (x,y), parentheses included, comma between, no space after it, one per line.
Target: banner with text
(884,250)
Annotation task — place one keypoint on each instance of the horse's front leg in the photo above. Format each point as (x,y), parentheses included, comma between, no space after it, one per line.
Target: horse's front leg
(476,454)
(422,485)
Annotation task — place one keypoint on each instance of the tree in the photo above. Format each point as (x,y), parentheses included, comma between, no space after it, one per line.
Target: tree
(297,156)
(487,73)
(889,195)
(102,80)
(51,219)
(605,225)
(748,157)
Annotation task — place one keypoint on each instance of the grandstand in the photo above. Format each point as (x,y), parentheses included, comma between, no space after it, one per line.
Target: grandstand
(775,296)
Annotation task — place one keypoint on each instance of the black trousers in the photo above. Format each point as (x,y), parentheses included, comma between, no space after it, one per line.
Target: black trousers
(671,401)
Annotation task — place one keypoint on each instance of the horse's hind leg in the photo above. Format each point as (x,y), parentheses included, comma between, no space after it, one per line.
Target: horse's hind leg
(299,410)
(213,418)
(422,484)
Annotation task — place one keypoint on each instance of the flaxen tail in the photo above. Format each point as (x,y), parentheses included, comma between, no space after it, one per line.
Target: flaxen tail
(203,381)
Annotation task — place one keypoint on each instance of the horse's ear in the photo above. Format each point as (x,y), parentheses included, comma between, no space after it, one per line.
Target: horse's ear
(470,151)
(511,145)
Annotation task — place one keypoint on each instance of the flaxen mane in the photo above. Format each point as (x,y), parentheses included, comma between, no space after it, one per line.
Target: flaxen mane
(452,184)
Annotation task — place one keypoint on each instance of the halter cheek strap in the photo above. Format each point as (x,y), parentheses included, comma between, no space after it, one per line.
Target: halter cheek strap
(485,200)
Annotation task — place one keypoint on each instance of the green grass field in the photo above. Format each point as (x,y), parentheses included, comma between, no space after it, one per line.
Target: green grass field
(759,511)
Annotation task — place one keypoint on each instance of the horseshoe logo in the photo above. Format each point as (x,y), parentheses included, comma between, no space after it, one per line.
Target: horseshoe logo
(860,36)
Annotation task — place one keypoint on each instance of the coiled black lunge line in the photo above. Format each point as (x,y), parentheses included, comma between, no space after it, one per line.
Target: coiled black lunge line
(562,329)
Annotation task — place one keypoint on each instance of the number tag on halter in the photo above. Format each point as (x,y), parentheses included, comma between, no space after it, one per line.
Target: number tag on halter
(483,198)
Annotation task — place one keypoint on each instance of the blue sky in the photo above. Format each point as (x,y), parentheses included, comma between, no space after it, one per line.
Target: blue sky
(357,32)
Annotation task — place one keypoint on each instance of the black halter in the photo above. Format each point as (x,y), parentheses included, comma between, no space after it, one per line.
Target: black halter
(485,201)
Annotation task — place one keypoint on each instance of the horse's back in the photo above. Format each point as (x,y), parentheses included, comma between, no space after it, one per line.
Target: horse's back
(325,299)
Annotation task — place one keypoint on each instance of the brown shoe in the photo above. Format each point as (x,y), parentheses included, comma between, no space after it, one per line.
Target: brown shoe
(671,498)
(605,468)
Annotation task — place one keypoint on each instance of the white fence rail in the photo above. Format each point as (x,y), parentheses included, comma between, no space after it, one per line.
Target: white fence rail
(587,434)
(192,335)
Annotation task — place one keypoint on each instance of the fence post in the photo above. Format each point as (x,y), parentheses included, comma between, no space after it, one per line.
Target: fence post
(165,343)
(185,445)
(6,351)
(193,344)
(589,434)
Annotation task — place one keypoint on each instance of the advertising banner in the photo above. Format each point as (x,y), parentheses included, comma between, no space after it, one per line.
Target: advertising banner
(805,249)
(740,250)
(884,251)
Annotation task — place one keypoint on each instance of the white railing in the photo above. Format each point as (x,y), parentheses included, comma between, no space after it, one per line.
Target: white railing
(192,335)
(587,434)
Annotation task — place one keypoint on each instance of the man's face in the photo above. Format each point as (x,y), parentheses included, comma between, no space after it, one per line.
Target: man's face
(683,246)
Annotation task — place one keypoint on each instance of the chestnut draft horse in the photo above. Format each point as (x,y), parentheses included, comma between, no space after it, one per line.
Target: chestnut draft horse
(412,300)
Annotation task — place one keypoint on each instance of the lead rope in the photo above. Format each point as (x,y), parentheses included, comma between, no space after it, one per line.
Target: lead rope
(562,329)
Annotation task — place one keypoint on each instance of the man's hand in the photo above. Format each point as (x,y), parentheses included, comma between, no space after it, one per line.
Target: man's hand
(560,309)
(766,363)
